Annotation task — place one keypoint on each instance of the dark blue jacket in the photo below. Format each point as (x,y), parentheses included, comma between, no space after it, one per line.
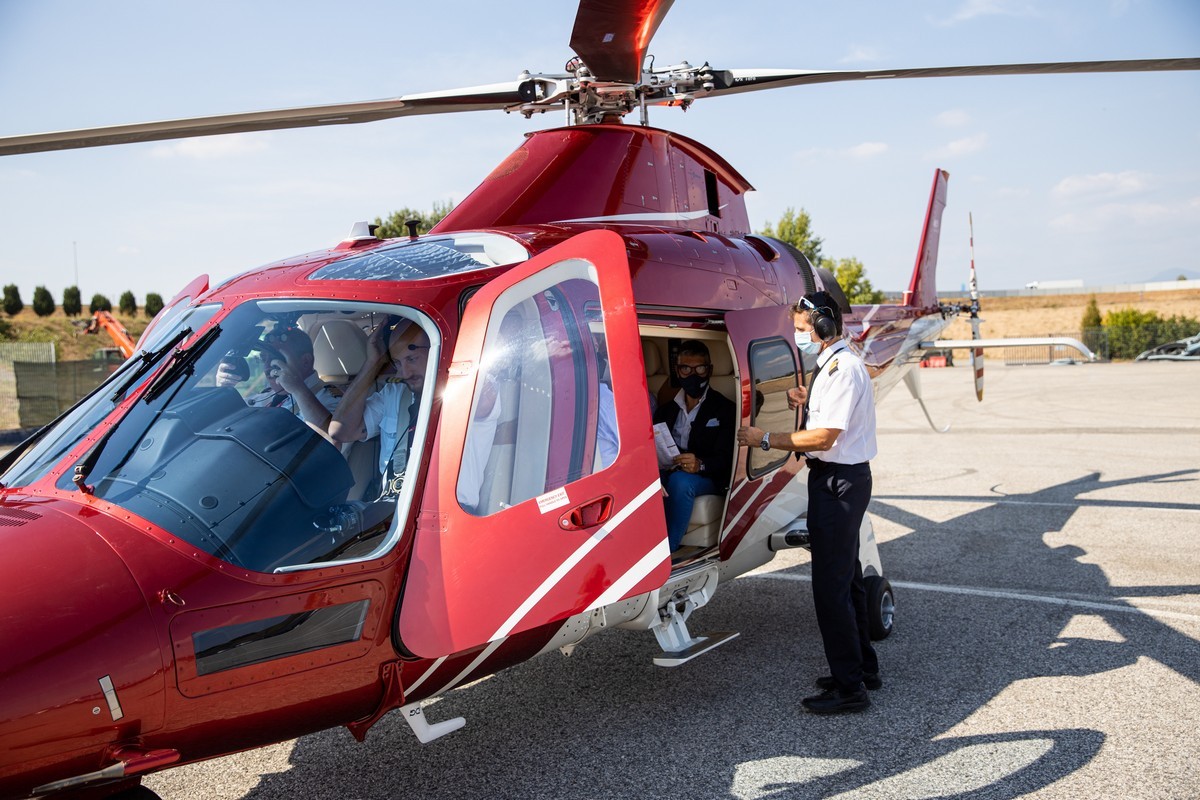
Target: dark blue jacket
(711,441)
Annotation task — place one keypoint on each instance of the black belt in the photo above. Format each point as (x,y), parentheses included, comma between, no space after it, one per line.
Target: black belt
(813,463)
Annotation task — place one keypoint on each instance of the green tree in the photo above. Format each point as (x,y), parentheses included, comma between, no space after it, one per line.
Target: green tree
(851,276)
(1091,328)
(128,304)
(43,302)
(100,303)
(72,304)
(6,329)
(393,226)
(1091,316)
(1131,331)
(154,304)
(12,300)
(796,230)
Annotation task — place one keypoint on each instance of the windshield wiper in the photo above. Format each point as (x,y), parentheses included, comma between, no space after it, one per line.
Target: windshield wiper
(183,361)
(148,361)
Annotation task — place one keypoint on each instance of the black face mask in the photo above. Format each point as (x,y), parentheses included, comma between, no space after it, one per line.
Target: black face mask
(694,386)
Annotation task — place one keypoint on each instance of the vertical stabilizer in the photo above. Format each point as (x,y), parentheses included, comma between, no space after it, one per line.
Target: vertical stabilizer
(922,291)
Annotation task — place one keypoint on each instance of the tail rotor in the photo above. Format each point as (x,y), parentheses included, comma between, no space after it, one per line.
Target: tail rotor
(973,309)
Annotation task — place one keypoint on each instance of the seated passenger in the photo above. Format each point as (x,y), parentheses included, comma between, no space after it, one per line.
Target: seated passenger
(292,382)
(391,413)
(703,423)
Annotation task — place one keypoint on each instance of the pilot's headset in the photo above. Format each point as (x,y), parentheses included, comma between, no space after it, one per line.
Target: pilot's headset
(823,320)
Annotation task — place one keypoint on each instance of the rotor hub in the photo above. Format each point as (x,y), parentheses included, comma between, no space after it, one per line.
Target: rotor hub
(588,100)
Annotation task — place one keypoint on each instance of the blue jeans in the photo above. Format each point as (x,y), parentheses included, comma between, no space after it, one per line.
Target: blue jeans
(682,490)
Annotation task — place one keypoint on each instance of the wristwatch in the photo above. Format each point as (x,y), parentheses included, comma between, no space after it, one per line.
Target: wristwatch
(765,444)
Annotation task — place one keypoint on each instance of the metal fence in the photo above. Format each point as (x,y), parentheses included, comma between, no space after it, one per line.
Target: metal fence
(10,352)
(33,393)
(46,390)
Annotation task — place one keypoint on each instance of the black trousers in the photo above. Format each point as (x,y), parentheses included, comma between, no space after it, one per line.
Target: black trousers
(837,500)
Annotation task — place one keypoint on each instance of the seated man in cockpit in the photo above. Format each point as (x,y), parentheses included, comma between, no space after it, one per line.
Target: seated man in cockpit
(391,413)
(292,382)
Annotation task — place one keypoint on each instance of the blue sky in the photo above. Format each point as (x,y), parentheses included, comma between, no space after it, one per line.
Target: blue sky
(1095,177)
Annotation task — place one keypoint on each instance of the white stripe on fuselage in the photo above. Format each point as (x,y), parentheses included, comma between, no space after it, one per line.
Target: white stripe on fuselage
(580,553)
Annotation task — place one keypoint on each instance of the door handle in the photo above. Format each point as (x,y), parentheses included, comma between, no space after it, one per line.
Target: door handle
(588,515)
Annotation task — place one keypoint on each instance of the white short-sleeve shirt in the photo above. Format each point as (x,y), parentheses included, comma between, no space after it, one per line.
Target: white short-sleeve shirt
(385,415)
(842,397)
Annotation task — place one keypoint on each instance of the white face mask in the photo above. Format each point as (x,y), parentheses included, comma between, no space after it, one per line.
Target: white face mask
(806,345)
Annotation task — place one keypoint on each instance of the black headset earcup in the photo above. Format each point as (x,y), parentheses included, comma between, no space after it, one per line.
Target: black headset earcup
(823,324)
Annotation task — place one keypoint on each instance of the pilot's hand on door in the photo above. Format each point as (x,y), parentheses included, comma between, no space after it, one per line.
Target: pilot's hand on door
(797,397)
(750,436)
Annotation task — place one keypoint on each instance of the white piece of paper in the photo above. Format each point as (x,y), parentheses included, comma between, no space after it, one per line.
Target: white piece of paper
(664,444)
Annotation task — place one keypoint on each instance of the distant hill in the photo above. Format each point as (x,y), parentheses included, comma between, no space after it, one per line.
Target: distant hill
(1173,274)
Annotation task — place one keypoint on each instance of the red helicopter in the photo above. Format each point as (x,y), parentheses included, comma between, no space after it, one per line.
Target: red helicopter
(190,573)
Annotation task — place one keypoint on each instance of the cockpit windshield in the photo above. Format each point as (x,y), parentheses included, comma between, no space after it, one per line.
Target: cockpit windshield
(50,444)
(229,447)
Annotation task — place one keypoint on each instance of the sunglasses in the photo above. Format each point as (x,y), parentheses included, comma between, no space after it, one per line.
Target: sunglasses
(700,369)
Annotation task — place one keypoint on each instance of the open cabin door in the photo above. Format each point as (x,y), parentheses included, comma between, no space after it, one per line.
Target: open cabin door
(543,498)
(764,345)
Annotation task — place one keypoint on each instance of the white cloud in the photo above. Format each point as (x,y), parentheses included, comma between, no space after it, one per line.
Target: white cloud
(859,53)
(233,145)
(972,9)
(954,118)
(867,150)
(1102,184)
(128,250)
(961,147)
(1127,216)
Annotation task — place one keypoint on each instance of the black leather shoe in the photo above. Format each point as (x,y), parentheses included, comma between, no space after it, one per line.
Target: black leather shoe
(870,679)
(837,702)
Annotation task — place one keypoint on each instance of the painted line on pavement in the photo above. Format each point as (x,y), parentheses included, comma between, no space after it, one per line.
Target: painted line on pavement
(1003,595)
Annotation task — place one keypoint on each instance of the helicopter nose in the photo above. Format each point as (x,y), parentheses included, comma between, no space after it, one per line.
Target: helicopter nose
(79,661)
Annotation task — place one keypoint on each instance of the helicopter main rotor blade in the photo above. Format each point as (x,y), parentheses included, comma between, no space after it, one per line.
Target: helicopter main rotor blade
(747,80)
(612,37)
(474,98)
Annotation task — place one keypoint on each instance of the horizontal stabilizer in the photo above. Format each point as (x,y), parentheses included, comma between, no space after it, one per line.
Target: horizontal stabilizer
(1062,341)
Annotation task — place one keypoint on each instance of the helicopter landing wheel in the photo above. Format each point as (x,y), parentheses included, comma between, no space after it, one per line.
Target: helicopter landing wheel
(881,607)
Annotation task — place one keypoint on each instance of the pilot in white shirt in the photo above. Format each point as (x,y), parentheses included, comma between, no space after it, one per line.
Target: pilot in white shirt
(842,398)
(837,436)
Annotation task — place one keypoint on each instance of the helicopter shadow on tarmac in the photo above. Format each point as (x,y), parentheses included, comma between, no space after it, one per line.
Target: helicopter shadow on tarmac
(605,723)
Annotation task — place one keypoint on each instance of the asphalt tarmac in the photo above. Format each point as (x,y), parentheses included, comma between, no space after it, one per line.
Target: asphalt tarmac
(1046,559)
